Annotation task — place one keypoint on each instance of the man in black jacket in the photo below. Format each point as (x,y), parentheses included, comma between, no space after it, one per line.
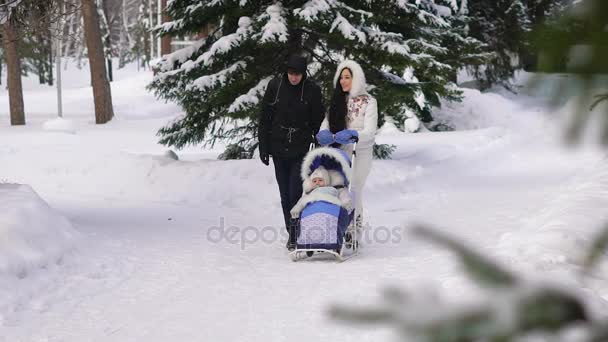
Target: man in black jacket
(292,111)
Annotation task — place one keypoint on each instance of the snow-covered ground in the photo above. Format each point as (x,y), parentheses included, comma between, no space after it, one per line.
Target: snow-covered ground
(192,250)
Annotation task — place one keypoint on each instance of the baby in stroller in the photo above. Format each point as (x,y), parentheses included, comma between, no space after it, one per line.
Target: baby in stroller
(326,209)
(317,187)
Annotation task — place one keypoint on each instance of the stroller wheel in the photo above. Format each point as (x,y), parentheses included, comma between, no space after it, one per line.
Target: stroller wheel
(348,240)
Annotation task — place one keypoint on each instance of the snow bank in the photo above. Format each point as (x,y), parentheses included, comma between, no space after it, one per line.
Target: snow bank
(60,125)
(389,127)
(32,234)
(577,109)
(555,241)
(481,110)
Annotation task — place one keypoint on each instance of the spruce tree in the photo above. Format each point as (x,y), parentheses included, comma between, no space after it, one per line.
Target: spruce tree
(219,80)
(503,25)
(542,13)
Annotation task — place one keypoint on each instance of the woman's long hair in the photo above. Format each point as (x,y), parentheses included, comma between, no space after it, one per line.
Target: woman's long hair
(337,109)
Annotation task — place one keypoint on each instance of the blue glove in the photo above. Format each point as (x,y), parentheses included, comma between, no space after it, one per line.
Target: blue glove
(325,137)
(347,136)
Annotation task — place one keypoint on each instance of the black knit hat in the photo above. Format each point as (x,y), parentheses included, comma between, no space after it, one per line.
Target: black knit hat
(297,63)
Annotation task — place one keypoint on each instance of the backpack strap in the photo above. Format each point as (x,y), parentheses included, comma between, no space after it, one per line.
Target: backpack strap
(276,97)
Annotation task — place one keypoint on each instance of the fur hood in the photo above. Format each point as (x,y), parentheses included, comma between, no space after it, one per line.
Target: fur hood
(336,178)
(333,153)
(359,84)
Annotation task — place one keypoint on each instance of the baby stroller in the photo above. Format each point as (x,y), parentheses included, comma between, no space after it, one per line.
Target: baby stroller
(324,226)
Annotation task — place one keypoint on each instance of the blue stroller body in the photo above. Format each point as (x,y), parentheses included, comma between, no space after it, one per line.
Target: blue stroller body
(324,226)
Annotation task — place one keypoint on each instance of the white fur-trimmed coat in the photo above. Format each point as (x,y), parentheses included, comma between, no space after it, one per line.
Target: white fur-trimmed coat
(362,108)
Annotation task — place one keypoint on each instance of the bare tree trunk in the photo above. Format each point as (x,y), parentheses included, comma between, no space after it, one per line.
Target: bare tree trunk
(13,63)
(67,48)
(81,44)
(107,36)
(49,51)
(101,87)
(165,45)
(41,72)
(147,51)
(110,70)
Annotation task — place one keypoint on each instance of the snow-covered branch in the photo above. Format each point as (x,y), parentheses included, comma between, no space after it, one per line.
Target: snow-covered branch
(251,98)
(209,81)
(347,29)
(275,28)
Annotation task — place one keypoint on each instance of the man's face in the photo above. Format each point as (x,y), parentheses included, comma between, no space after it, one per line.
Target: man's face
(295,77)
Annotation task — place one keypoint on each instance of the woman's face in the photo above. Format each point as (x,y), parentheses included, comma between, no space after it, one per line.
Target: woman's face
(346,80)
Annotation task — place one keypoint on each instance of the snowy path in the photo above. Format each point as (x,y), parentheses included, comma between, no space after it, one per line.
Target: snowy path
(139,276)
(147,267)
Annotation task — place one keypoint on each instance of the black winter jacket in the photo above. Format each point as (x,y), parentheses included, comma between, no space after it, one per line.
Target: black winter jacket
(290,117)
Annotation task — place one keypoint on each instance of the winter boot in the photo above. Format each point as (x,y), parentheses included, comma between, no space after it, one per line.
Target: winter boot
(294,232)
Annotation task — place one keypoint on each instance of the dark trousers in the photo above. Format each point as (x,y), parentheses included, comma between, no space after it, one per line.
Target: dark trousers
(287,172)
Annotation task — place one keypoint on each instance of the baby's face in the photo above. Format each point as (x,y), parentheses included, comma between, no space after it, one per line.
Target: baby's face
(318,181)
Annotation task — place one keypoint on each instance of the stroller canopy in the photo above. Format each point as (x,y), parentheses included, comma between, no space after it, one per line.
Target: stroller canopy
(331,159)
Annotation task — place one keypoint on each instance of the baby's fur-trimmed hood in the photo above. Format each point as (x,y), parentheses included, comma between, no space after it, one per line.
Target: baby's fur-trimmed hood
(335,177)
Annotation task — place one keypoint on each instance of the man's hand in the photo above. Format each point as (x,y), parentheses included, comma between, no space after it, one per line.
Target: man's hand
(265,158)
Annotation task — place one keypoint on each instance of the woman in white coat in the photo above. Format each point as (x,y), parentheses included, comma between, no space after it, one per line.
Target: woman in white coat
(353,108)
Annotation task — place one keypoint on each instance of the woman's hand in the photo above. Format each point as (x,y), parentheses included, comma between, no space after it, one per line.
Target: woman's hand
(325,137)
(347,136)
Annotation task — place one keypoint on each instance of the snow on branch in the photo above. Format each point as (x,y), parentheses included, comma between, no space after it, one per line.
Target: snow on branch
(443,11)
(224,44)
(311,9)
(209,81)
(375,33)
(348,31)
(453,4)
(433,19)
(405,5)
(252,97)
(408,78)
(393,78)
(358,11)
(190,9)
(169,26)
(426,45)
(464,8)
(389,41)
(275,28)
(396,48)
(424,15)
(441,65)
(180,56)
